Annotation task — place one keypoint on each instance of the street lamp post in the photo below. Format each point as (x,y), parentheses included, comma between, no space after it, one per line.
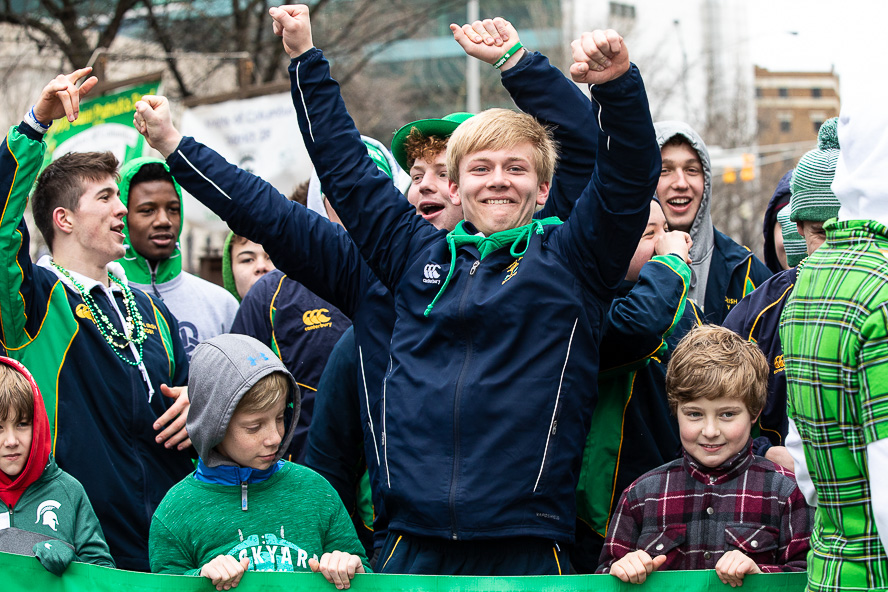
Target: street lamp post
(473,72)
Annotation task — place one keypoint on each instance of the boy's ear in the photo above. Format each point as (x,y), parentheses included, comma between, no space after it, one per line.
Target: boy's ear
(543,194)
(454,193)
(61,218)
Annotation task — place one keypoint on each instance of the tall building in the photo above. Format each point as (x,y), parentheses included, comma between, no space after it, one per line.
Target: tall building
(790,107)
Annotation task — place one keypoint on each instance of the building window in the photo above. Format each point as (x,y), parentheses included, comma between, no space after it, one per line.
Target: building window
(620,10)
(816,93)
(785,118)
(782,92)
(758,92)
(817,119)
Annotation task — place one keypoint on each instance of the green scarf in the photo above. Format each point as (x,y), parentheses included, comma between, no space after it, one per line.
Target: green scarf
(459,237)
(136,267)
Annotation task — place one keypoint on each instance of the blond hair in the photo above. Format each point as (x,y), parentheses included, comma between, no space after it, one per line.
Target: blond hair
(712,362)
(501,129)
(265,394)
(16,396)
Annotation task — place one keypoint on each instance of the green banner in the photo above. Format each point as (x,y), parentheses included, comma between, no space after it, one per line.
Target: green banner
(105,123)
(19,573)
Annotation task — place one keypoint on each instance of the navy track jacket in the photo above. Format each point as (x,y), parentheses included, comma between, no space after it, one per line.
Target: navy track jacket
(487,400)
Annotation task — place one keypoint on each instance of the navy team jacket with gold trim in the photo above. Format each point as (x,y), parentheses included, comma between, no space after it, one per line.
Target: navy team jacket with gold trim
(98,406)
(757,318)
(734,272)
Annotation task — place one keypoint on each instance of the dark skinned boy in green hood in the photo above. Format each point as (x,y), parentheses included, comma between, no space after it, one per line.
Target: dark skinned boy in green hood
(153,259)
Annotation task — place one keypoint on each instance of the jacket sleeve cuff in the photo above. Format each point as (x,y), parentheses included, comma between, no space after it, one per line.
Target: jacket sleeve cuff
(313,53)
(527,61)
(31,133)
(761,445)
(628,80)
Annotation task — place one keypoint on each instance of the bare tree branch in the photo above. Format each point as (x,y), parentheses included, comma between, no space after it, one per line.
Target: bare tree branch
(167,45)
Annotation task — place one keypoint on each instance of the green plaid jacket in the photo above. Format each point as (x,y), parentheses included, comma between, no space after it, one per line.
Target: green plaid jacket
(835,342)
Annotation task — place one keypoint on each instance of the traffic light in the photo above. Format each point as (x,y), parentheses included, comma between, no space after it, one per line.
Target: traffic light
(747,173)
(729,176)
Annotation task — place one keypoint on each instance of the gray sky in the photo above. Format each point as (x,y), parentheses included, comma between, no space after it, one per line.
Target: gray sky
(851,35)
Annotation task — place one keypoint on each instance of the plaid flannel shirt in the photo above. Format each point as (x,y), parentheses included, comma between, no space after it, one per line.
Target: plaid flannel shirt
(835,342)
(693,515)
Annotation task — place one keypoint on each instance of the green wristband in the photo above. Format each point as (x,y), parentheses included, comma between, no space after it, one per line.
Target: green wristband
(507,55)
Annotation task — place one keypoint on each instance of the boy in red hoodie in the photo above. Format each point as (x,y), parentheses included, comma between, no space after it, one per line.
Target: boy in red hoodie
(33,486)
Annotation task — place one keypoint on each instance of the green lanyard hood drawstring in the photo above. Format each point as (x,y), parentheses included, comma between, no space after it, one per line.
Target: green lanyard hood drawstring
(459,237)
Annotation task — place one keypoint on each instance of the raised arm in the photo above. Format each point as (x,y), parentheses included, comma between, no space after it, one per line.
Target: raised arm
(543,91)
(381,222)
(601,234)
(639,323)
(307,247)
(20,160)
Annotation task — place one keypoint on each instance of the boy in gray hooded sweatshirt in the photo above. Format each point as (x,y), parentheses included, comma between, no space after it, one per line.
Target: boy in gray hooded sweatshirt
(723,272)
(245,509)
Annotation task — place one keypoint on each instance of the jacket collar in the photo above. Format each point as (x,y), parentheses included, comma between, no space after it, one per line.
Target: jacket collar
(726,471)
(838,230)
(465,234)
(232,475)
(87,282)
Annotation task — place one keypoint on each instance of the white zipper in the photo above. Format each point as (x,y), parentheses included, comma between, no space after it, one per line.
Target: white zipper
(388,476)
(552,423)
(367,401)
(109,293)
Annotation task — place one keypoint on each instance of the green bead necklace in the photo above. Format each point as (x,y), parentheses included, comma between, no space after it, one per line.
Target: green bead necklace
(104,324)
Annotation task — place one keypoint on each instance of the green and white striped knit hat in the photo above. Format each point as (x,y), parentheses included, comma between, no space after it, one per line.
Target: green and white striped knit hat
(812,195)
(793,242)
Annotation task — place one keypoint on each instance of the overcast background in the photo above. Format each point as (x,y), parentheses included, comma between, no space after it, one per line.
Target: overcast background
(851,35)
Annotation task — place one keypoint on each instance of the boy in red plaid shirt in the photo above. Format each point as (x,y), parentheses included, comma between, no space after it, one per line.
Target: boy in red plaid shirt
(719,506)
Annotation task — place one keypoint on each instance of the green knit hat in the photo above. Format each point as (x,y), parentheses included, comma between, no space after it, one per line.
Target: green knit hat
(812,196)
(793,242)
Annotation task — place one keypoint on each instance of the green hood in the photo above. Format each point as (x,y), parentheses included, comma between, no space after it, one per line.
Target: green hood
(136,266)
(486,245)
(227,274)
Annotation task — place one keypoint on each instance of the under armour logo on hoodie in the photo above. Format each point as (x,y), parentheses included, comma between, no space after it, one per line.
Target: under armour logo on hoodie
(253,360)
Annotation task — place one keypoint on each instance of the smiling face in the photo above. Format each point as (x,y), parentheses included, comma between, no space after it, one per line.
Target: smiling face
(16,434)
(429,192)
(96,226)
(713,431)
(252,439)
(154,217)
(499,189)
(681,185)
